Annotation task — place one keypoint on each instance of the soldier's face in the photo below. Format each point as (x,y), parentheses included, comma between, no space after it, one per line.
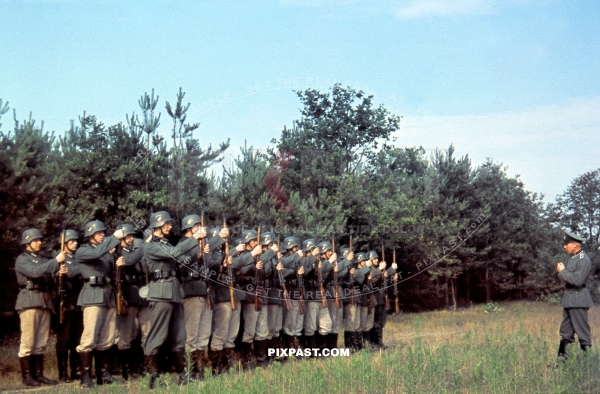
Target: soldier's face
(98,237)
(129,240)
(35,245)
(72,245)
(195,228)
(571,247)
(166,228)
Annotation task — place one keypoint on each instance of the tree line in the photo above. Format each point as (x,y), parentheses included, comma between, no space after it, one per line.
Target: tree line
(461,234)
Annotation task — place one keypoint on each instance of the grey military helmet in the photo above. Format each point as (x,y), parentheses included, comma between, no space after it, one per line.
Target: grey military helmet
(309,244)
(248,236)
(360,257)
(324,247)
(290,242)
(127,229)
(71,235)
(189,221)
(344,252)
(93,227)
(158,219)
(373,255)
(29,235)
(213,232)
(267,238)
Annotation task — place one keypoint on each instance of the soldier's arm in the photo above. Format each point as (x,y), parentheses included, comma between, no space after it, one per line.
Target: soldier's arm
(158,251)
(343,268)
(361,275)
(86,255)
(266,256)
(131,258)
(579,276)
(25,266)
(243,260)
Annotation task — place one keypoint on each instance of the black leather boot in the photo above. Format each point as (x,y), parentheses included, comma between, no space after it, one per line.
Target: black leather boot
(37,370)
(216,363)
(85,368)
(321,341)
(180,366)
(229,360)
(260,353)
(74,364)
(28,380)
(152,363)
(333,340)
(246,357)
(62,358)
(196,369)
(125,358)
(102,360)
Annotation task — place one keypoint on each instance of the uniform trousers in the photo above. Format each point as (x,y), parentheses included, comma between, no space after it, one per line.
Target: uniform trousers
(137,319)
(198,321)
(98,328)
(294,321)
(352,319)
(575,321)
(226,324)
(166,322)
(256,326)
(336,315)
(316,317)
(35,329)
(275,320)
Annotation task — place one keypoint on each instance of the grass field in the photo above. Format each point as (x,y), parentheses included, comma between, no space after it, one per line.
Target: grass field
(511,349)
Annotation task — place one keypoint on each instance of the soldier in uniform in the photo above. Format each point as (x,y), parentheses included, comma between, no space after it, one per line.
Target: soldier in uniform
(251,275)
(69,331)
(374,283)
(317,322)
(576,299)
(34,305)
(293,275)
(380,277)
(341,270)
(131,278)
(197,314)
(352,335)
(164,294)
(227,311)
(97,263)
(363,275)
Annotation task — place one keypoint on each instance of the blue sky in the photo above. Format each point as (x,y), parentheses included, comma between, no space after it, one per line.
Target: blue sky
(516,81)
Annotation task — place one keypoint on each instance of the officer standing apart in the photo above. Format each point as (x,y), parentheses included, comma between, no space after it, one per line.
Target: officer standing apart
(96,264)
(164,294)
(576,299)
(34,305)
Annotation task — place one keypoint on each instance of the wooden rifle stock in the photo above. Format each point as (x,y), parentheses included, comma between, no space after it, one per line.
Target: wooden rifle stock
(336,290)
(351,275)
(229,273)
(321,288)
(386,296)
(300,282)
(257,278)
(209,301)
(396,300)
(121,303)
(61,283)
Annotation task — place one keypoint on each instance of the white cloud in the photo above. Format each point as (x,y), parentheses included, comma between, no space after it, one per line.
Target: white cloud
(424,8)
(548,146)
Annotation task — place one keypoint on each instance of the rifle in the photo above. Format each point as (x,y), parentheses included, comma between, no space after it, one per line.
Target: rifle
(121,303)
(257,278)
(209,301)
(396,301)
(300,282)
(351,275)
(61,283)
(321,289)
(385,290)
(229,272)
(286,296)
(336,289)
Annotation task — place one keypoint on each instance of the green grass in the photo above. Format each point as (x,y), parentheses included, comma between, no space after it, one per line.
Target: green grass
(508,351)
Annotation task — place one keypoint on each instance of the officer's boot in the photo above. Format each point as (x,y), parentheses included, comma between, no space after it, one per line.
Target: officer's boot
(333,340)
(380,338)
(62,358)
(246,356)
(215,357)
(38,370)
(358,340)
(152,363)
(562,353)
(347,339)
(74,364)
(180,366)
(585,347)
(114,366)
(321,341)
(85,370)
(311,343)
(373,337)
(102,360)
(195,369)
(260,353)
(229,360)
(125,357)
(28,380)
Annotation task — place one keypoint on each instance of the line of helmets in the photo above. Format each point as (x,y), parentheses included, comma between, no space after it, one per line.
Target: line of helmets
(160,218)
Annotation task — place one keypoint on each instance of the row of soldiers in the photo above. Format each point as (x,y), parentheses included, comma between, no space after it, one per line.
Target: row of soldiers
(193,297)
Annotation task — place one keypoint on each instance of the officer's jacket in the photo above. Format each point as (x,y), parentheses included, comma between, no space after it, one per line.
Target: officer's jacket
(133,275)
(95,261)
(72,284)
(163,259)
(38,272)
(342,276)
(575,275)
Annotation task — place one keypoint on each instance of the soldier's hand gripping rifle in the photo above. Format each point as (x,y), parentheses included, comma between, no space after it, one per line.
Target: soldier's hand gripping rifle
(396,300)
(257,278)
(61,282)
(202,245)
(121,303)
(336,290)
(286,296)
(386,297)
(229,272)
(351,275)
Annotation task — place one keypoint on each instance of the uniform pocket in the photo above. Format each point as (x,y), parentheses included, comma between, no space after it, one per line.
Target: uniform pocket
(95,295)
(162,290)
